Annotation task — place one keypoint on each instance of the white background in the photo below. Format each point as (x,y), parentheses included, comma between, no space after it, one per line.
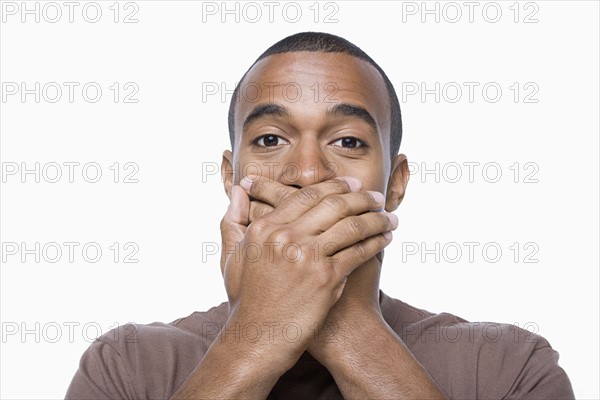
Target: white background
(173,134)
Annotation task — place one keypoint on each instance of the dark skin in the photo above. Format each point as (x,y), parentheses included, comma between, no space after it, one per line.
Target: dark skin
(320,175)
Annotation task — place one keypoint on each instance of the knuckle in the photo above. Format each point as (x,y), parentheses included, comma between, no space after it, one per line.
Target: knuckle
(356,227)
(324,276)
(307,196)
(334,202)
(223,224)
(257,187)
(360,250)
(368,198)
(281,236)
(257,228)
(386,221)
(283,194)
(259,210)
(331,248)
(341,185)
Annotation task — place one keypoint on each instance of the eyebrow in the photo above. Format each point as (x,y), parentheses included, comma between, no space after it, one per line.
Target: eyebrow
(342,109)
(265,110)
(349,110)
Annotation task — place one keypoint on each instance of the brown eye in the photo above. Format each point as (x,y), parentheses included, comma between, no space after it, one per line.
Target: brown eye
(349,142)
(269,141)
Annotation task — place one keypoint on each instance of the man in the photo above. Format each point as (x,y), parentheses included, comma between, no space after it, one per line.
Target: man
(303,242)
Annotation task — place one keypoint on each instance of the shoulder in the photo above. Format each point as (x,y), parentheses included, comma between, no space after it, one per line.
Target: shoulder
(197,328)
(146,360)
(480,359)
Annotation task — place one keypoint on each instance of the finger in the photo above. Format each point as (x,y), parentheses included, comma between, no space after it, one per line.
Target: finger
(348,259)
(291,205)
(234,222)
(266,190)
(258,209)
(237,212)
(352,230)
(335,207)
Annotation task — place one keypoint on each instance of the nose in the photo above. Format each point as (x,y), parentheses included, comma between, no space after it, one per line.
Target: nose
(307,164)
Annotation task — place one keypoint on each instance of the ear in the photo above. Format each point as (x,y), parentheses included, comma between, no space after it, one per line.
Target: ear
(227,172)
(397,183)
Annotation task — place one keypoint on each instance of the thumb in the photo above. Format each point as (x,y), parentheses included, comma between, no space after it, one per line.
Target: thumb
(234,223)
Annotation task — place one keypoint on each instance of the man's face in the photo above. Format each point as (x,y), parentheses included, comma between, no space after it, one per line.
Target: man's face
(306,117)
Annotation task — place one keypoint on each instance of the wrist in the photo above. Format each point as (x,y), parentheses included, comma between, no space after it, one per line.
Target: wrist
(259,345)
(343,341)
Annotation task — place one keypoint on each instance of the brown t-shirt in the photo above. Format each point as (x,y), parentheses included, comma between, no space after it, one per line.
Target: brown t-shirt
(468,360)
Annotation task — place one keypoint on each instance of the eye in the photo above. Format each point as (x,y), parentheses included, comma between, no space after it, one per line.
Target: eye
(349,142)
(269,141)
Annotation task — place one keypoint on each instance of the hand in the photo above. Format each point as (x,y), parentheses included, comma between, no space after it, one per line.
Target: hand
(362,287)
(291,265)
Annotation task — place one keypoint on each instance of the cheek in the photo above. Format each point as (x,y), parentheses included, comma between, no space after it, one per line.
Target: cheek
(372,178)
(372,174)
(377,183)
(267,168)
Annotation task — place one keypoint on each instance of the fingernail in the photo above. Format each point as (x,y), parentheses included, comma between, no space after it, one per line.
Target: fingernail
(354,183)
(388,235)
(393,218)
(247,182)
(377,196)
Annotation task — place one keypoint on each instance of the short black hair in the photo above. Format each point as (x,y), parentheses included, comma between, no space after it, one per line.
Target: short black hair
(326,43)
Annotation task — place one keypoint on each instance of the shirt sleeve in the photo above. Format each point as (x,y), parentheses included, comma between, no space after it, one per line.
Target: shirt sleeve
(542,378)
(101,375)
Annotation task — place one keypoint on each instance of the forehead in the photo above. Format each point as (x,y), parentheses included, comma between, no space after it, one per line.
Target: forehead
(312,82)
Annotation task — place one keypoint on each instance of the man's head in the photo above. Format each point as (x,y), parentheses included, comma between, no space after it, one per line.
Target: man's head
(325,43)
(312,107)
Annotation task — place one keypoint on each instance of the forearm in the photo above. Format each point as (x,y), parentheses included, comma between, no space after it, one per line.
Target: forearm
(233,369)
(368,360)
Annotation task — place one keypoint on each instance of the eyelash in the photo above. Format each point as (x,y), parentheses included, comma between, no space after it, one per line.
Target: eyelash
(255,141)
(362,143)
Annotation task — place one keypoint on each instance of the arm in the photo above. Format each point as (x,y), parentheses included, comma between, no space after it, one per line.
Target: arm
(542,378)
(364,355)
(267,284)
(368,360)
(102,375)
(233,369)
